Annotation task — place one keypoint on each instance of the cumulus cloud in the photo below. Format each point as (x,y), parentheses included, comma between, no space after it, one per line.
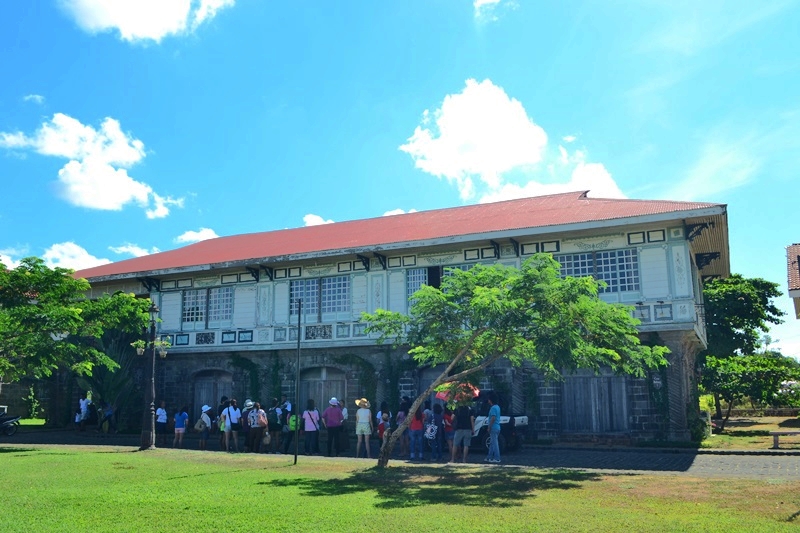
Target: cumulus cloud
(478,133)
(10,257)
(134,250)
(35,98)
(398,212)
(70,255)
(484,142)
(315,220)
(488,10)
(96,175)
(143,20)
(203,234)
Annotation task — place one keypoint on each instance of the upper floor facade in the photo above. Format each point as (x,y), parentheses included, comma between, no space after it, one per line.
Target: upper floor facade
(654,259)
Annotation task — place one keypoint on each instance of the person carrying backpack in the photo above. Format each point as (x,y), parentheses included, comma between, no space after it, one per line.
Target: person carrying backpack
(292,424)
(274,426)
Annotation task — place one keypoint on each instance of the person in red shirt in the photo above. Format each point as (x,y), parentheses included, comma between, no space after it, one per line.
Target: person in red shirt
(415,430)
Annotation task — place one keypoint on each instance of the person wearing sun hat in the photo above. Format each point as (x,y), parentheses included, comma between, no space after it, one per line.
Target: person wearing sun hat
(363,426)
(248,406)
(333,419)
(206,426)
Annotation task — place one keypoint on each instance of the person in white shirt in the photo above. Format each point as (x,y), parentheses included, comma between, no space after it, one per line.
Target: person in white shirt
(161,424)
(206,426)
(363,426)
(232,425)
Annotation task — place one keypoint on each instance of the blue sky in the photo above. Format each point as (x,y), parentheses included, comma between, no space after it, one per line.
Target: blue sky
(128,127)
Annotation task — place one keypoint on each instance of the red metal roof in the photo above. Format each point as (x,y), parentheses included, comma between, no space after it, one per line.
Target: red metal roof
(535,212)
(793,266)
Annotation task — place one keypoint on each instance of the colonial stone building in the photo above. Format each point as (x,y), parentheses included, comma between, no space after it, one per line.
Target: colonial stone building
(230,305)
(793,275)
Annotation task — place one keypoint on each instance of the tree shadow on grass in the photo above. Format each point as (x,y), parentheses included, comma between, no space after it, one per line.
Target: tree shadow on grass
(790,423)
(16,450)
(416,486)
(747,433)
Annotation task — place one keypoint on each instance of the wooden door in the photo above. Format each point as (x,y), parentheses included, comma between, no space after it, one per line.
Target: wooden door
(594,404)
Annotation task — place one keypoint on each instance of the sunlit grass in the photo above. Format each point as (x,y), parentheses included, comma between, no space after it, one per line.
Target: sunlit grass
(70,488)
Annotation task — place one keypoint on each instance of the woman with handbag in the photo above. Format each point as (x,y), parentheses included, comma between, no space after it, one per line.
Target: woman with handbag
(257,419)
(311,427)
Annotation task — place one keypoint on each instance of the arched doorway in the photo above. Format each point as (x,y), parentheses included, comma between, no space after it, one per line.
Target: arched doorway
(320,384)
(209,387)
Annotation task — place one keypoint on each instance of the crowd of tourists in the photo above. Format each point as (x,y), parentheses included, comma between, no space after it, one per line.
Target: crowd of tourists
(434,431)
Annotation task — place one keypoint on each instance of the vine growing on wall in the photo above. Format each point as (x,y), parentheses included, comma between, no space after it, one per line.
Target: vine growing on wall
(275,376)
(252,368)
(393,370)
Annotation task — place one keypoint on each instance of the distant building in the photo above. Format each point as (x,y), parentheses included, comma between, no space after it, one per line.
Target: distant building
(229,305)
(793,275)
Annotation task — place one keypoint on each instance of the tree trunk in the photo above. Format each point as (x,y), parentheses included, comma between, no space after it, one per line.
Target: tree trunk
(717,406)
(727,416)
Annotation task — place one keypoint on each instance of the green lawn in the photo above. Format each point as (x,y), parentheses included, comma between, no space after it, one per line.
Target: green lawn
(64,488)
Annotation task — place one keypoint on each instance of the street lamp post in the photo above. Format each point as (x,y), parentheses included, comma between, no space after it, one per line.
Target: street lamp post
(149,422)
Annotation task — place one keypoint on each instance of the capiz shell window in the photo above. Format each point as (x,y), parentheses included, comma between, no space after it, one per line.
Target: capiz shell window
(618,268)
(324,299)
(220,304)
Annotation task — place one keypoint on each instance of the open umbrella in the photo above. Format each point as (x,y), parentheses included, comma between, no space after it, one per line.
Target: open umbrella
(463,391)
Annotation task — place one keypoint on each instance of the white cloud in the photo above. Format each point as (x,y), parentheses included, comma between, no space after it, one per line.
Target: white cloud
(487,10)
(568,138)
(35,98)
(398,211)
(585,176)
(160,210)
(134,250)
(96,174)
(479,133)
(315,220)
(140,20)
(196,236)
(10,257)
(485,143)
(70,255)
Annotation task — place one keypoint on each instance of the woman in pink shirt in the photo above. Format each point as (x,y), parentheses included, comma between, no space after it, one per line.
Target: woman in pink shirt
(311,427)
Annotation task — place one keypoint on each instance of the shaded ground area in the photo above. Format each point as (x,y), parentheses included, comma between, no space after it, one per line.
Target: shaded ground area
(757,464)
(495,488)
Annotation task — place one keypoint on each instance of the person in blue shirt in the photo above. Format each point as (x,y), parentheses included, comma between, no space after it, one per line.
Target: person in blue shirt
(493,423)
(180,426)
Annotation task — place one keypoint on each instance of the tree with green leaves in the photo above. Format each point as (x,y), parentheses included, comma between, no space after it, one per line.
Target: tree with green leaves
(738,312)
(759,377)
(530,314)
(47,322)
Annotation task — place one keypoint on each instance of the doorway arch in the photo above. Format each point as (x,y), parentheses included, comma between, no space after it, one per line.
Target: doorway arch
(320,384)
(209,387)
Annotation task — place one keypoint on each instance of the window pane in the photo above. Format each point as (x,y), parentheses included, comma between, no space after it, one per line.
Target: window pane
(606,270)
(415,278)
(628,265)
(194,306)
(220,304)
(575,265)
(336,294)
(306,290)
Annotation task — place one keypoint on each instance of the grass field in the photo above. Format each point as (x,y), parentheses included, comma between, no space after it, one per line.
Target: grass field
(70,488)
(753,434)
